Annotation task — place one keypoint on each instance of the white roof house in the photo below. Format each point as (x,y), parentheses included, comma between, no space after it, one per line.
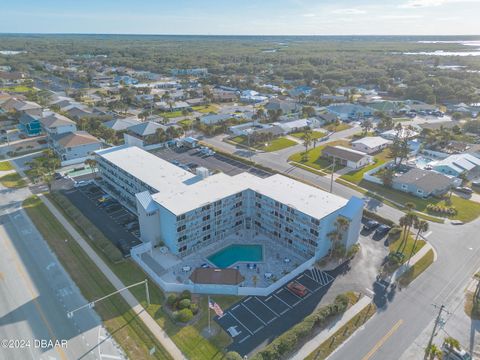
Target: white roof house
(457,164)
(370,144)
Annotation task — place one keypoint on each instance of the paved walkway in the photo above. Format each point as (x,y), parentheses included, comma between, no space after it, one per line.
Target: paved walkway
(323,335)
(152,325)
(402,269)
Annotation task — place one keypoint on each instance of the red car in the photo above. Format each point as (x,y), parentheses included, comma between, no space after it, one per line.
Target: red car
(297,289)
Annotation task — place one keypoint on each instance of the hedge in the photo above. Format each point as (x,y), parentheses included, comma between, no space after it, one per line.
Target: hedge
(375,216)
(291,339)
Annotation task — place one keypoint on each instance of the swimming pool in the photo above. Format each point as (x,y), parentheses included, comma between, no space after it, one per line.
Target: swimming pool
(236,253)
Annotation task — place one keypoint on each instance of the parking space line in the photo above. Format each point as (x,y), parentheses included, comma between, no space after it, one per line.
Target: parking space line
(282,301)
(311,278)
(251,312)
(304,285)
(257,330)
(268,307)
(240,322)
(236,306)
(247,299)
(245,338)
(291,292)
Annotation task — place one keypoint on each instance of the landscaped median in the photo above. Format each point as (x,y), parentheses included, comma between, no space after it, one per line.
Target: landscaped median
(5,166)
(417,268)
(119,319)
(13,180)
(188,337)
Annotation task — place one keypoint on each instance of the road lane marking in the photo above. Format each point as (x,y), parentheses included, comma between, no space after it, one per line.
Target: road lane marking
(34,295)
(382,341)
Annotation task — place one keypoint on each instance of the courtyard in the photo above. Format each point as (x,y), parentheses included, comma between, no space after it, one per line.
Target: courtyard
(274,262)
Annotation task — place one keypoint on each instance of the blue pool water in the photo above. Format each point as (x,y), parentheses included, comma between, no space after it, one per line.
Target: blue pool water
(236,253)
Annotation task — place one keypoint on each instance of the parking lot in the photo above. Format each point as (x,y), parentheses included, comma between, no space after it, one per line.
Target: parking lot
(190,159)
(117,223)
(257,320)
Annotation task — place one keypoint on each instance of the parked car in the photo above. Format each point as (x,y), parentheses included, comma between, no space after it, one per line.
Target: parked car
(113,207)
(132,225)
(297,288)
(107,203)
(104,198)
(464,189)
(370,225)
(476,183)
(382,230)
(57,176)
(81,183)
(455,354)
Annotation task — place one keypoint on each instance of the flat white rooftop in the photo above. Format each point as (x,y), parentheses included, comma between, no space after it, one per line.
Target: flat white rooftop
(179,191)
(146,167)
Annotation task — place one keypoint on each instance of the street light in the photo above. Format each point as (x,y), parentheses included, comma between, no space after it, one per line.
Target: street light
(91,304)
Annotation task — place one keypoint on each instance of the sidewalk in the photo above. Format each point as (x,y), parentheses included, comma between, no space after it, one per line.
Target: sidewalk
(152,325)
(402,269)
(311,345)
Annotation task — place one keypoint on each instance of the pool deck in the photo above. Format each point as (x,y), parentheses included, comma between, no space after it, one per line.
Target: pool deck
(273,261)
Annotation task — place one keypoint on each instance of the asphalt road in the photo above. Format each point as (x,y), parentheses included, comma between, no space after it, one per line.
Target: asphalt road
(36,293)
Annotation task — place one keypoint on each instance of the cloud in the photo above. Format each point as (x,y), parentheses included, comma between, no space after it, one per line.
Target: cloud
(431,3)
(349,11)
(402,17)
(309,15)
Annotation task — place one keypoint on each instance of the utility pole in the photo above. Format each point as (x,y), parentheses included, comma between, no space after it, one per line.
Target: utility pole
(438,321)
(333,170)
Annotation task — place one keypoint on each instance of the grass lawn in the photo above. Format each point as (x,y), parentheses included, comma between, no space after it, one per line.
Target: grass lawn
(467,210)
(472,307)
(336,128)
(401,119)
(315,134)
(206,108)
(171,114)
(274,145)
(13,181)
(186,122)
(277,144)
(407,251)
(313,157)
(342,334)
(357,176)
(127,329)
(5,166)
(17,89)
(188,338)
(419,267)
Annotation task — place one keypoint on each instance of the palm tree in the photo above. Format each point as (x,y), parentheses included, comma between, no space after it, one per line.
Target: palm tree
(406,222)
(254,280)
(336,236)
(307,139)
(451,343)
(92,163)
(433,352)
(421,226)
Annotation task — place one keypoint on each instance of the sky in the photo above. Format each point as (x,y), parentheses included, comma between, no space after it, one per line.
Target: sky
(242,17)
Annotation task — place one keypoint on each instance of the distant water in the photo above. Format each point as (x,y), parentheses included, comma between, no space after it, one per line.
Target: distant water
(11,52)
(469,52)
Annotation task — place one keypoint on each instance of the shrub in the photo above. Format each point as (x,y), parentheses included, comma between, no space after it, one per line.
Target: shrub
(381,219)
(394,233)
(184,315)
(194,308)
(232,355)
(172,299)
(184,304)
(186,295)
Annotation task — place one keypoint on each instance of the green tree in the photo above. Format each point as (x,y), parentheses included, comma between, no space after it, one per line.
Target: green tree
(421,226)
(367,125)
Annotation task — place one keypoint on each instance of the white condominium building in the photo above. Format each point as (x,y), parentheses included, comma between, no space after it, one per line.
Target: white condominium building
(185,212)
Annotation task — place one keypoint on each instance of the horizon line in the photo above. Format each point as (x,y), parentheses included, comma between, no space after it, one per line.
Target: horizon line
(224,35)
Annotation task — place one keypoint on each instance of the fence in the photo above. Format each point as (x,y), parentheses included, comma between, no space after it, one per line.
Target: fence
(368,175)
(137,251)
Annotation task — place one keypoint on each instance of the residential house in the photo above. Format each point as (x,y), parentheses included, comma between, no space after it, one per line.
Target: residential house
(327,118)
(56,124)
(346,157)
(371,144)
(212,119)
(458,164)
(255,128)
(422,183)
(405,133)
(350,112)
(75,147)
(286,106)
(21,106)
(141,134)
(190,72)
(77,112)
(333,98)
(120,124)
(30,124)
(224,96)
(125,80)
(196,101)
(172,106)
(297,125)
(300,90)
(251,96)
